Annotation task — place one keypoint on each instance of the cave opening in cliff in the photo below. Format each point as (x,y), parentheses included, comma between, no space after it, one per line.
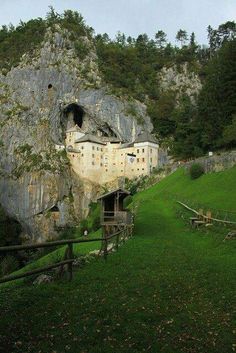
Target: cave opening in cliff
(54,209)
(75,114)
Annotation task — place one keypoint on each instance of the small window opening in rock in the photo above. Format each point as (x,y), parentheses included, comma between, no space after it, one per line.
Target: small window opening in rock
(50,86)
(54,209)
(75,114)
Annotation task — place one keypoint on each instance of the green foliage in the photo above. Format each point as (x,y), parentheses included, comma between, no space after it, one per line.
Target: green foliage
(182,36)
(67,233)
(94,216)
(15,41)
(8,264)
(96,223)
(229,134)
(217,100)
(81,49)
(84,225)
(134,185)
(27,36)
(161,112)
(127,201)
(196,170)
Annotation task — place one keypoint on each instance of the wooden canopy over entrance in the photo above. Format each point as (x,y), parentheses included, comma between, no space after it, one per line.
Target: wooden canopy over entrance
(112,211)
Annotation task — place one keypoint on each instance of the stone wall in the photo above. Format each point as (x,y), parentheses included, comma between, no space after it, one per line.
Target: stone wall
(216,163)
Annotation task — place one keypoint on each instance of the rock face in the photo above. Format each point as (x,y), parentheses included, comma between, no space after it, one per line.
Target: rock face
(40,99)
(180,80)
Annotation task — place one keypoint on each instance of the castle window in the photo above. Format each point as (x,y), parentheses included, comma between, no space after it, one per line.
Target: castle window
(101,164)
(121,171)
(138,169)
(93,155)
(101,149)
(106,170)
(93,147)
(82,155)
(142,168)
(151,160)
(143,159)
(82,147)
(49,86)
(97,148)
(93,163)
(151,150)
(143,150)
(137,160)
(137,150)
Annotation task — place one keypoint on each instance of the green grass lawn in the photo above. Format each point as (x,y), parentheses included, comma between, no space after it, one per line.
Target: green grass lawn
(168,289)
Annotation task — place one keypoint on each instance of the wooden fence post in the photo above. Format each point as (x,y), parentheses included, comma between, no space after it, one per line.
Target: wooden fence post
(70,257)
(117,240)
(105,250)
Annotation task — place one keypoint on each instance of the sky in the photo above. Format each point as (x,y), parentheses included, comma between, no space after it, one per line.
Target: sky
(132,17)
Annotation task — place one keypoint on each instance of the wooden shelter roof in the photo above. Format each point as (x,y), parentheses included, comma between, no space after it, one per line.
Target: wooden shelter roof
(108,194)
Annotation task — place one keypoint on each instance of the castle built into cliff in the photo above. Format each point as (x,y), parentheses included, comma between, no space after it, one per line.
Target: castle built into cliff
(104,159)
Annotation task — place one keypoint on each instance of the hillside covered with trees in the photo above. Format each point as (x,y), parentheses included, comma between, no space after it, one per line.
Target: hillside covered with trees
(133,67)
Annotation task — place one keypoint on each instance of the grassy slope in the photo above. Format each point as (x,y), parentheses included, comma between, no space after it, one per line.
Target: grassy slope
(168,289)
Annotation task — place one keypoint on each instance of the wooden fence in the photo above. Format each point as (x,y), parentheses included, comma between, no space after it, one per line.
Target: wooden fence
(109,242)
(206,217)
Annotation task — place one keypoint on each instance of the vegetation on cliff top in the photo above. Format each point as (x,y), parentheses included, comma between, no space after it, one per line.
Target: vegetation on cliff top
(193,125)
(27,36)
(133,67)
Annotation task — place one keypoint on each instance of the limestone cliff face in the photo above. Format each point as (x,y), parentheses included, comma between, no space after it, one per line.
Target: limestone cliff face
(38,101)
(181,80)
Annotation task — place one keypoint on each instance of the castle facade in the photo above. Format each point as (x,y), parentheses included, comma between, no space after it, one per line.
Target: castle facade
(104,159)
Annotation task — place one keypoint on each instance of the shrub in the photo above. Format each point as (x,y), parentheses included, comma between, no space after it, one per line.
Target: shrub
(127,201)
(196,170)
(8,265)
(96,224)
(83,226)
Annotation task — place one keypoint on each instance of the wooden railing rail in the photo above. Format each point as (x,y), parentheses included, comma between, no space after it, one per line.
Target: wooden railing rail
(36,271)
(68,256)
(46,244)
(204,216)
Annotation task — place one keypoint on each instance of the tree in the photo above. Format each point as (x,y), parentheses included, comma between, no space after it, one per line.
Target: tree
(217,37)
(160,37)
(182,37)
(120,39)
(217,100)
(229,133)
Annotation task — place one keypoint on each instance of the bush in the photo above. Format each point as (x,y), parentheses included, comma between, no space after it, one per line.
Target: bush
(8,265)
(196,170)
(127,201)
(84,226)
(96,224)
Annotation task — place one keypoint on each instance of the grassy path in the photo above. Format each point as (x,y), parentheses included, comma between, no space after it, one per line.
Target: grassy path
(168,289)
